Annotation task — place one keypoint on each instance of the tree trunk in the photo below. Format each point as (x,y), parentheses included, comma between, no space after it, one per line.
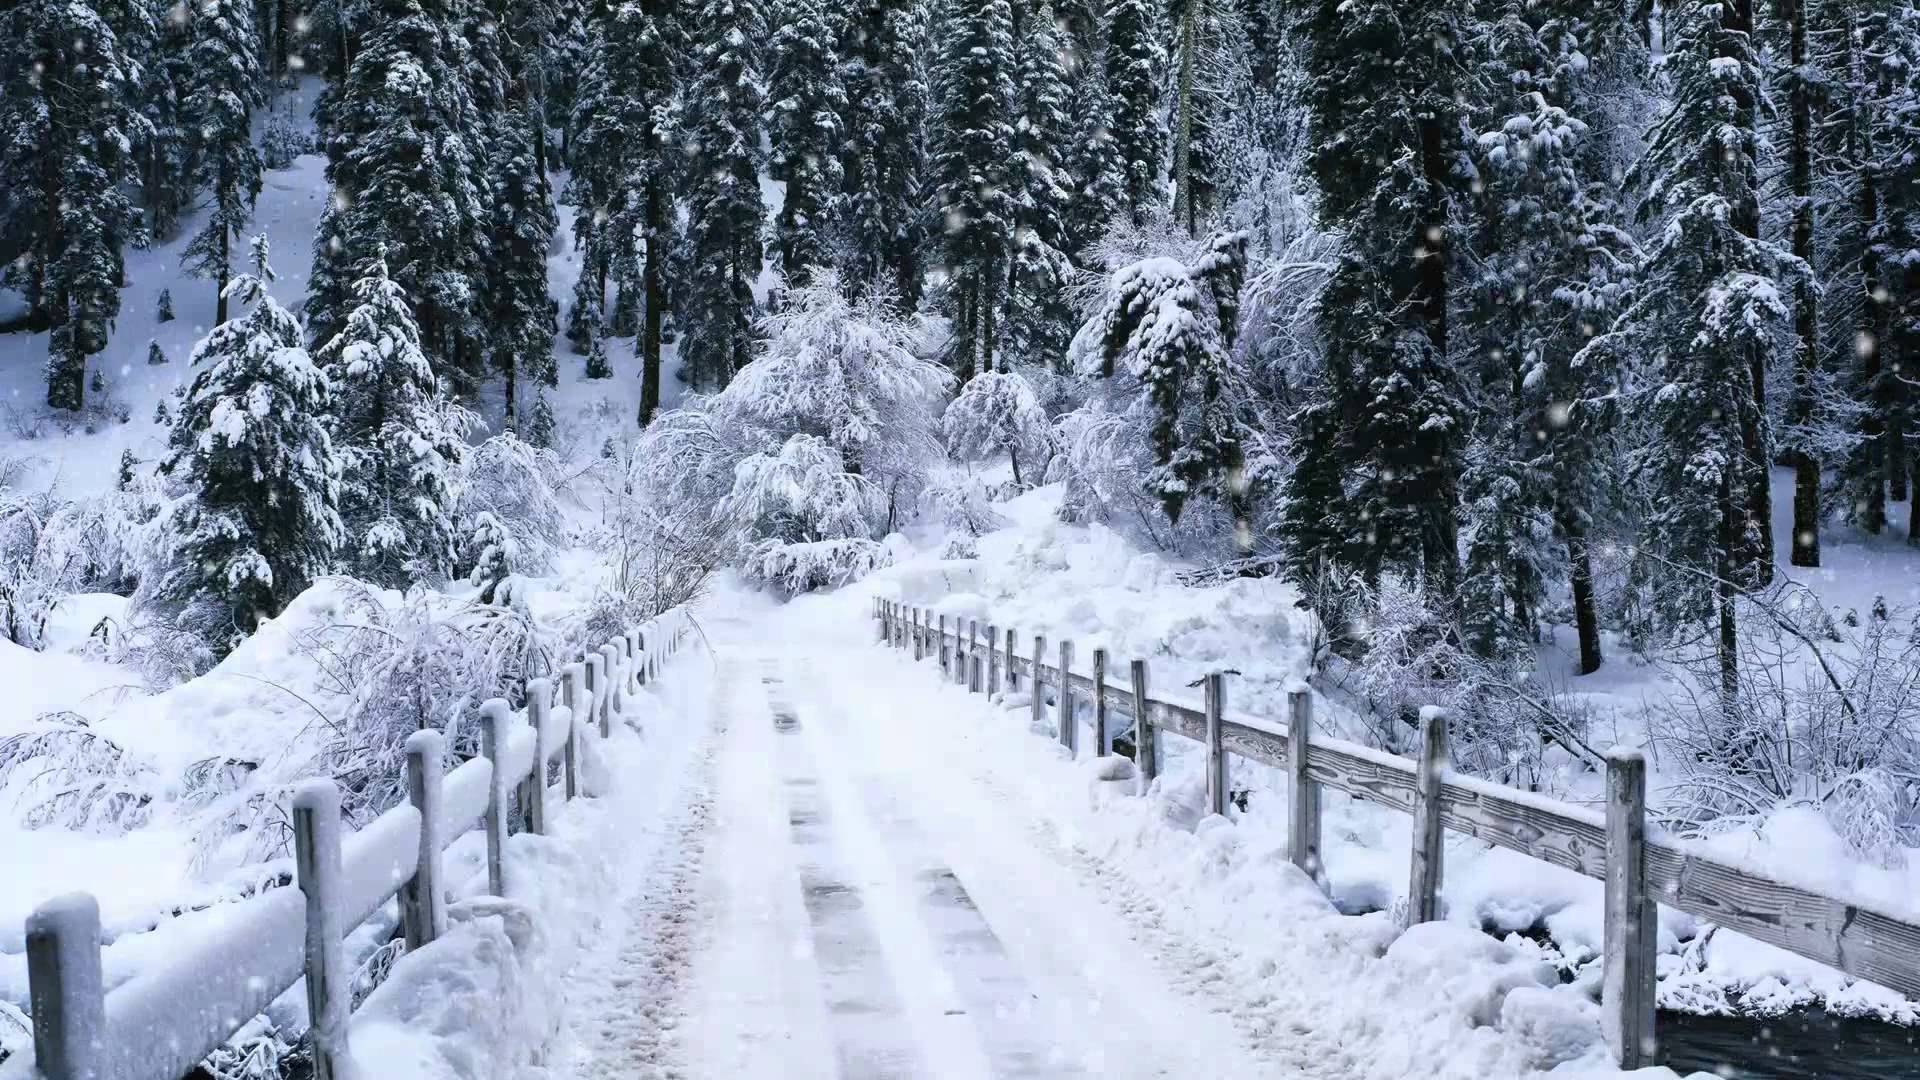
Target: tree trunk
(220,279)
(1806,479)
(1724,598)
(653,277)
(1013,456)
(1871,513)
(1441,536)
(510,369)
(1757,563)
(1586,618)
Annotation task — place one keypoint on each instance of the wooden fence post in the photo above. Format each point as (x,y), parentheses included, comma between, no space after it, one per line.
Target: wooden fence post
(496,725)
(316,861)
(597,686)
(1039,680)
(1013,680)
(1069,731)
(970,671)
(943,646)
(993,660)
(1099,703)
(1303,815)
(881,617)
(1631,930)
(616,677)
(423,904)
(1146,737)
(538,708)
(68,995)
(1423,890)
(1216,750)
(919,635)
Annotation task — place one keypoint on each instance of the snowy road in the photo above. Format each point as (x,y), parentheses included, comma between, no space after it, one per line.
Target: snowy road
(837,899)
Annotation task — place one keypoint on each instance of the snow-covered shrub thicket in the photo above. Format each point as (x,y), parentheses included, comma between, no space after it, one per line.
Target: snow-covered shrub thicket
(997,414)
(421,662)
(51,547)
(523,487)
(1828,716)
(813,453)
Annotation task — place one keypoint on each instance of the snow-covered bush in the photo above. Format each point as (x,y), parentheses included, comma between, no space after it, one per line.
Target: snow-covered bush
(490,554)
(995,416)
(522,486)
(51,548)
(824,443)
(420,662)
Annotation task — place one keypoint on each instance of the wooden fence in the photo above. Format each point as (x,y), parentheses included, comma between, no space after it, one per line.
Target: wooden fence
(162,1022)
(1640,868)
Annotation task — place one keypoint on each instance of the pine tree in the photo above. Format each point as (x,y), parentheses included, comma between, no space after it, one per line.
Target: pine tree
(805,103)
(401,150)
(226,80)
(1169,328)
(155,354)
(66,108)
(165,153)
(1039,318)
(491,552)
(625,124)
(1385,98)
(1709,300)
(997,414)
(724,210)
(165,312)
(1092,163)
(888,102)
(399,445)
(974,150)
(261,519)
(522,223)
(1134,61)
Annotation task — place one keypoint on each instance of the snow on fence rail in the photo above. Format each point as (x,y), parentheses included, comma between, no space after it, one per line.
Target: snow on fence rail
(1640,868)
(161,1023)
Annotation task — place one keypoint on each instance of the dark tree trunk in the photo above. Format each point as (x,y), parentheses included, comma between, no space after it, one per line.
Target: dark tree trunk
(1586,618)
(653,277)
(220,280)
(1806,315)
(1756,565)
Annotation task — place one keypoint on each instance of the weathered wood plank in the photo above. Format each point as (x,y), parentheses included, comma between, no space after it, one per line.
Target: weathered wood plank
(1146,737)
(1252,743)
(1039,680)
(1429,833)
(1303,795)
(1099,697)
(1216,750)
(1566,836)
(1630,935)
(1068,730)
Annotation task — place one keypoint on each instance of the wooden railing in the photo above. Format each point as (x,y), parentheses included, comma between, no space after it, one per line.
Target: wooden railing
(162,1022)
(1640,868)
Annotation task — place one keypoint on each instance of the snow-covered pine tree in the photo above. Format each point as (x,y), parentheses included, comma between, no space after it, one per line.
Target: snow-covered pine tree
(165,151)
(806,101)
(399,445)
(225,83)
(522,223)
(1549,267)
(725,213)
(1386,93)
(155,354)
(1166,329)
(490,554)
(973,150)
(1709,301)
(260,521)
(1135,60)
(884,164)
(401,150)
(995,416)
(625,170)
(67,124)
(1092,162)
(164,312)
(1039,318)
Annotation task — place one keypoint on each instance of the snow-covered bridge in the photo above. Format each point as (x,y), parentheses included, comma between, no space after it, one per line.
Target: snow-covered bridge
(807,855)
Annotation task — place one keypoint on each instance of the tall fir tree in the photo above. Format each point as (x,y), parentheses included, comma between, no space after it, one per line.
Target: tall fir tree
(1709,302)
(165,151)
(1039,316)
(725,213)
(1386,93)
(806,100)
(401,149)
(260,521)
(399,445)
(1135,60)
(975,147)
(67,109)
(226,89)
(884,164)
